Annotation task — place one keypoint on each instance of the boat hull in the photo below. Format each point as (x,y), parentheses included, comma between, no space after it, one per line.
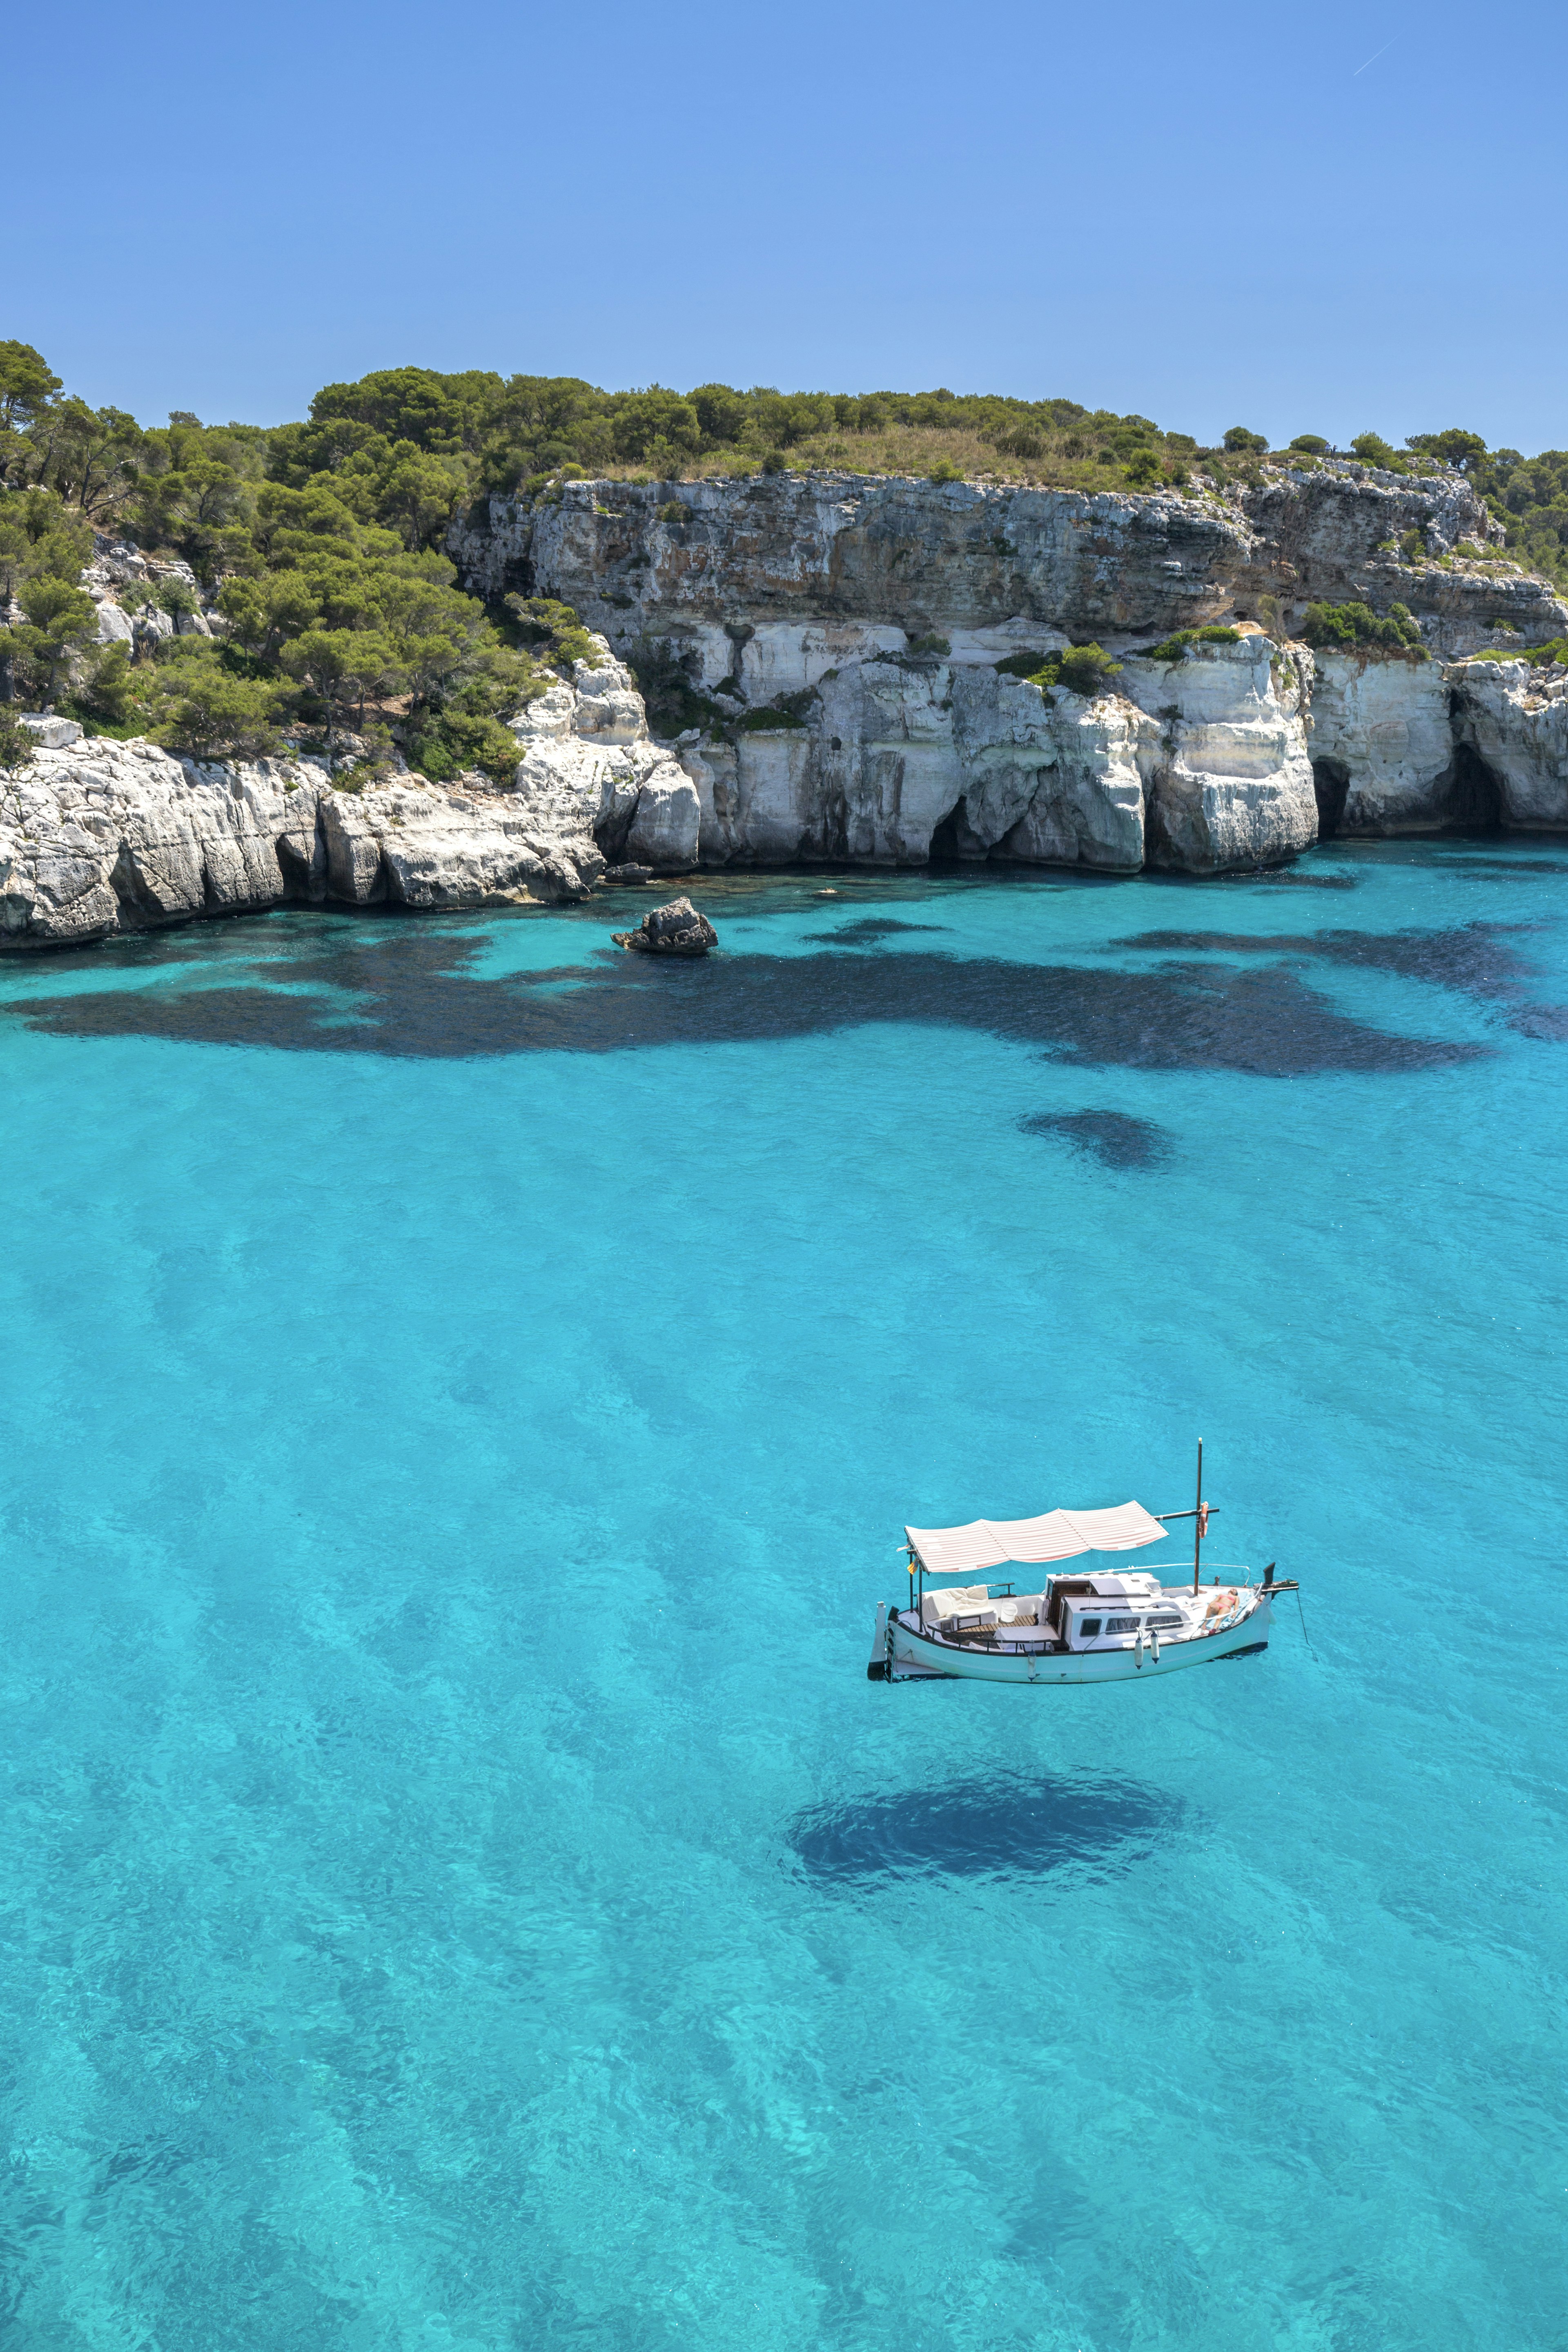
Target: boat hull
(916,1657)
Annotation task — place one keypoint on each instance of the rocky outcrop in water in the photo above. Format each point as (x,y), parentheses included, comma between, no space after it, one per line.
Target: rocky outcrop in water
(1382,744)
(676,929)
(589,774)
(1513,719)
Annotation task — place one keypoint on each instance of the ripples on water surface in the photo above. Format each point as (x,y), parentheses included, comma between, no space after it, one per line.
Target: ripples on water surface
(462,1390)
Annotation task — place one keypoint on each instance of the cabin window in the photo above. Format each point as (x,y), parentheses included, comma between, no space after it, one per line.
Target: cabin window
(1090,1629)
(1121,1624)
(1173,1618)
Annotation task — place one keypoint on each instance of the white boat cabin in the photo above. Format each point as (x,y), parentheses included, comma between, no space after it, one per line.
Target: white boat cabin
(1102,1612)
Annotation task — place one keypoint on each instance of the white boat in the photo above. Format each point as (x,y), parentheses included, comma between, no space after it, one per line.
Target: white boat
(1087,1625)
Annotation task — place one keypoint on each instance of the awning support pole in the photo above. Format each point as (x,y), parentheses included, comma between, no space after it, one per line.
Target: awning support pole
(1197,1520)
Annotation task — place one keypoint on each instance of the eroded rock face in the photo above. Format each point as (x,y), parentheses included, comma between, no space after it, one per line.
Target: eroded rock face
(1515,723)
(911,555)
(103,837)
(1057,781)
(97,838)
(592,778)
(1382,745)
(1400,747)
(844,633)
(1235,786)
(773,579)
(1201,764)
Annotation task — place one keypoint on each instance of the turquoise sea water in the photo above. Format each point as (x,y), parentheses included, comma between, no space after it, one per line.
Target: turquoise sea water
(461,1393)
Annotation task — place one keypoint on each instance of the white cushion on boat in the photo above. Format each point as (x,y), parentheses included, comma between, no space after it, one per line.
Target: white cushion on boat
(955,1601)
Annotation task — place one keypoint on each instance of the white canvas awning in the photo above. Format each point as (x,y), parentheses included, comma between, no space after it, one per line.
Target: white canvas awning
(1055,1534)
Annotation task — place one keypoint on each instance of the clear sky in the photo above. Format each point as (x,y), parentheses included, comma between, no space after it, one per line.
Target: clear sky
(1297,220)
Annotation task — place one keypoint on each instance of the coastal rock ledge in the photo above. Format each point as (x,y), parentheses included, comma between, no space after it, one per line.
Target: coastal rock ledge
(868,674)
(101,836)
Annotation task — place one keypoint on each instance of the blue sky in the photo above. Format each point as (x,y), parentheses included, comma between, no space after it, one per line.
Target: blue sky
(1299,220)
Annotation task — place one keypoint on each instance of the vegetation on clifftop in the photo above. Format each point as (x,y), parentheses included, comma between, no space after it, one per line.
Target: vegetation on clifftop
(320,544)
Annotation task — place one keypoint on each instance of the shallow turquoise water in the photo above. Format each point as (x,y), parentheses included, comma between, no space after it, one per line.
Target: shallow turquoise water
(462,1393)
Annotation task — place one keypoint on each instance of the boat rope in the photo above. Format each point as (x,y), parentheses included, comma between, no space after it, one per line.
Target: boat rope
(1305,1635)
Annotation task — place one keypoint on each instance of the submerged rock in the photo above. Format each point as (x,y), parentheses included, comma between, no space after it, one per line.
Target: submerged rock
(676,928)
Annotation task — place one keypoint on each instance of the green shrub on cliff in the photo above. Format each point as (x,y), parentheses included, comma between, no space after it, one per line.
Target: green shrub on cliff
(1556,650)
(104,693)
(1177,647)
(789,710)
(1355,627)
(207,706)
(59,619)
(552,633)
(43,546)
(16,744)
(1082,669)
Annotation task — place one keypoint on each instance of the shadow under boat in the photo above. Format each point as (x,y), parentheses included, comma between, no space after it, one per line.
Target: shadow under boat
(992,1828)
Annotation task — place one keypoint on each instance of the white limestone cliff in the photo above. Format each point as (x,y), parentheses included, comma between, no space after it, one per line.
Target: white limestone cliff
(1057,782)
(1514,718)
(841,634)
(591,776)
(1200,763)
(1236,786)
(1381,743)
(709,567)
(1403,747)
(840,641)
(99,836)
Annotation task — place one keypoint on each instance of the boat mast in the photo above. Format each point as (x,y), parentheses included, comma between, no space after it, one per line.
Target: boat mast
(1198,1519)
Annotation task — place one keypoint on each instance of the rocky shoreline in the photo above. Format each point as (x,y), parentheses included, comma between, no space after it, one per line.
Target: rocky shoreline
(835,644)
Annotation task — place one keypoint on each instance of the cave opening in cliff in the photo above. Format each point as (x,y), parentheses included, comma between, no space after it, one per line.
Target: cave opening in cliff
(950,837)
(1331,782)
(1475,794)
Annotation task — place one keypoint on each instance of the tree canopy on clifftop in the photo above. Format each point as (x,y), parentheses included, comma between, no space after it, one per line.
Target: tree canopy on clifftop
(322,543)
